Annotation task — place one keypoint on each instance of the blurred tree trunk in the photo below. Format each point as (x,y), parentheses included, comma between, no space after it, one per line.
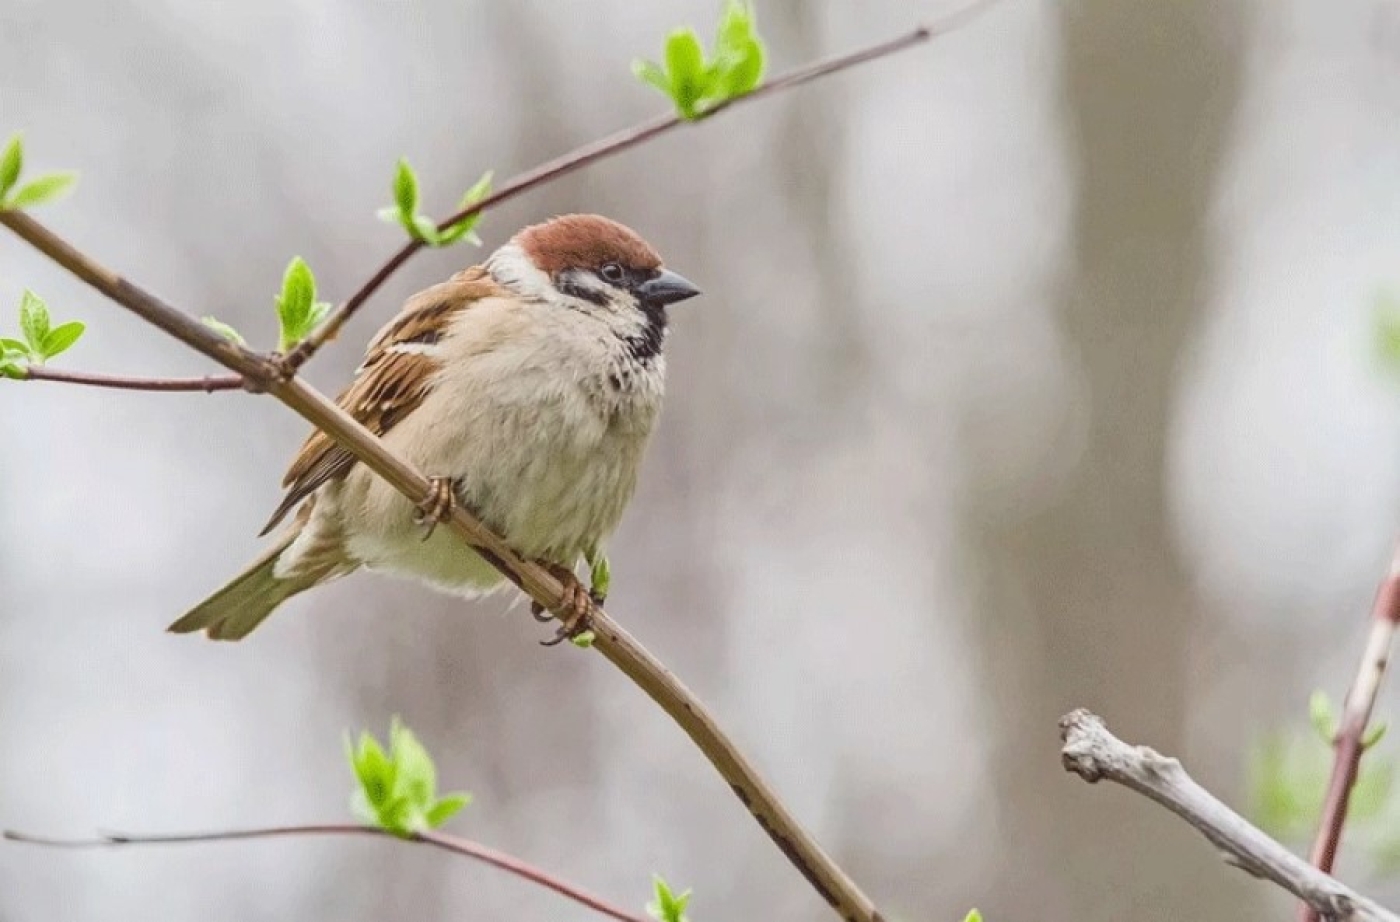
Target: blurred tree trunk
(1086,601)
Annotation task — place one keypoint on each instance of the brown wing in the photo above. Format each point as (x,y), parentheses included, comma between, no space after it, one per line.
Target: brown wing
(397,372)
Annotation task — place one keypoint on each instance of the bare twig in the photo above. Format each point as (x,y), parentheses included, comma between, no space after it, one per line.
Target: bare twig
(1093,753)
(620,648)
(444,841)
(209,383)
(1356,713)
(606,147)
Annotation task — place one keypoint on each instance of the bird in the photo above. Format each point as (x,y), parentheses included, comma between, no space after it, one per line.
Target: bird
(527,388)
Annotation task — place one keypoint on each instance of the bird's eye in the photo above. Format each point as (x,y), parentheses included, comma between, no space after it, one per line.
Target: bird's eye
(611,272)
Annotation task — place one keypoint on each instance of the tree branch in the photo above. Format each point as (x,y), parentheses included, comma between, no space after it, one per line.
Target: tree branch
(444,841)
(615,144)
(1356,714)
(209,383)
(1093,753)
(620,648)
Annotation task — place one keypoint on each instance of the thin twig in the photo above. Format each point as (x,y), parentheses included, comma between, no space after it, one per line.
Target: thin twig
(606,147)
(1356,714)
(1093,753)
(620,648)
(442,840)
(209,383)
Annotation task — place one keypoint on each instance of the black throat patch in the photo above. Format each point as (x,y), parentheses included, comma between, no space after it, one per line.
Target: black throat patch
(645,344)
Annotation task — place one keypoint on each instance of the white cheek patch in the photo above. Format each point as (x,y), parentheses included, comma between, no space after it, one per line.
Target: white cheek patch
(512,268)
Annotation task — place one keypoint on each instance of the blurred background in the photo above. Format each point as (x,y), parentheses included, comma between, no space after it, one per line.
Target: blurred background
(1036,369)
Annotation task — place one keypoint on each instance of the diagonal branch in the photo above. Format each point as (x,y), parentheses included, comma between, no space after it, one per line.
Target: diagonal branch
(1093,753)
(441,840)
(615,144)
(1356,714)
(209,383)
(619,647)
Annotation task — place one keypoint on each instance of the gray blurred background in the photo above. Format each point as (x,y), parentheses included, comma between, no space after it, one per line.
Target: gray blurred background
(1035,370)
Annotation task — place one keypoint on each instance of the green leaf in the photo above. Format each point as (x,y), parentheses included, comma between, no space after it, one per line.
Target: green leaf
(736,26)
(34,321)
(401,817)
(318,312)
(583,640)
(739,59)
(11,162)
(47,188)
(224,330)
(415,774)
(446,808)
(1323,719)
(423,228)
(1374,734)
(294,304)
(406,190)
(373,770)
(666,905)
(972,916)
(62,337)
(12,368)
(466,227)
(600,572)
(13,347)
(479,189)
(685,64)
(653,73)
(743,71)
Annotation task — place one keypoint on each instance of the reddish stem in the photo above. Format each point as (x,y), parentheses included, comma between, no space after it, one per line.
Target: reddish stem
(1356,714)
(209,383)
(450,843)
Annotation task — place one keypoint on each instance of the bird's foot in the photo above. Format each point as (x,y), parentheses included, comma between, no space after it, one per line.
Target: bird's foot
(577,605)
(437,506)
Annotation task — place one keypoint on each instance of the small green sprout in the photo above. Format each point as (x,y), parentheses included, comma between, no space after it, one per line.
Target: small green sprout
(667,906)
(599,572)
(224,330)
(698,87)
(298,311)
(973,916)
(47,187)
(421,227)
(42,341)
(1288,775)
(398,789)
(1322,717)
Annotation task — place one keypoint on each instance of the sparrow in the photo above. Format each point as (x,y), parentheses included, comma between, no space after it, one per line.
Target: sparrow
(527,387)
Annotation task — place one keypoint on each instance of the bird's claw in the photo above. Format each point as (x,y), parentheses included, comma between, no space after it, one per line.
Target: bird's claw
(437,506)
(576,604)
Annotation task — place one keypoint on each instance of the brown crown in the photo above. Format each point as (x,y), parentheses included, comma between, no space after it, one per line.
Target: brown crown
(585,241)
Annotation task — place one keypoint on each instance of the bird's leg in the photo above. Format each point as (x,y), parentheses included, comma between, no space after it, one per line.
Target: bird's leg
(599,574)
(577,605)
(437,506)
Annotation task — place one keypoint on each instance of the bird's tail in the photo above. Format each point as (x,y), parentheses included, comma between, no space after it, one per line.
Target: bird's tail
(234,611)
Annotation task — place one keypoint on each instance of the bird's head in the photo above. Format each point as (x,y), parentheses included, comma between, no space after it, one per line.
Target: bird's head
(595,265)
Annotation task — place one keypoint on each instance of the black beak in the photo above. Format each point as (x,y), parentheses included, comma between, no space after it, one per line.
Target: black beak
(666,288)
